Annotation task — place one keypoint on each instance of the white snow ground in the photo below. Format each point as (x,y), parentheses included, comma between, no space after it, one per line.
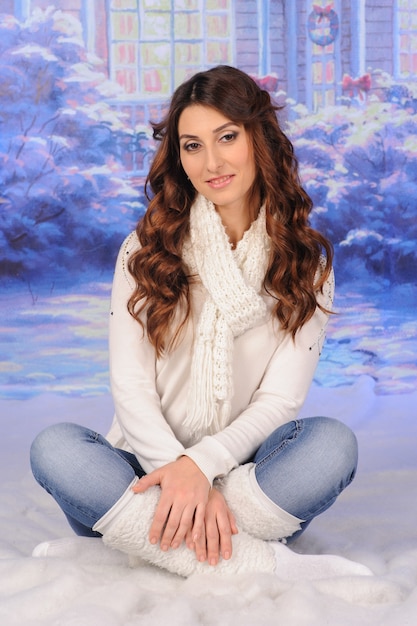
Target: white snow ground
(374,521)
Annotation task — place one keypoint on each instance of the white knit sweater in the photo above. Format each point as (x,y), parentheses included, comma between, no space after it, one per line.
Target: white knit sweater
(271,378)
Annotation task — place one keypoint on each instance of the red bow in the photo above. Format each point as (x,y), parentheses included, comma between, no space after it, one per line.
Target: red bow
(269,82)
(322,11)
(356,85)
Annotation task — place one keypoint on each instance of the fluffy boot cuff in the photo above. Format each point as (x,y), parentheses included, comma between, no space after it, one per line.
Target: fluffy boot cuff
(254,512)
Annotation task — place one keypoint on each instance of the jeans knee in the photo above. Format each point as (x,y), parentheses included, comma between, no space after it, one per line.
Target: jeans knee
(344,445)
(47,447)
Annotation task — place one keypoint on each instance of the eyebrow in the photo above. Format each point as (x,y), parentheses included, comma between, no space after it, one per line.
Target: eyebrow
(216,130)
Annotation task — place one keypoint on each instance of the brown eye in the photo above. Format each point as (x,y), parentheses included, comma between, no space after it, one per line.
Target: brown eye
(191,147)
(228,137)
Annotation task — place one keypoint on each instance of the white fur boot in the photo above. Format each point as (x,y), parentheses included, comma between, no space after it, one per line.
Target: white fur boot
(258,516)
(125,527)
(255,513)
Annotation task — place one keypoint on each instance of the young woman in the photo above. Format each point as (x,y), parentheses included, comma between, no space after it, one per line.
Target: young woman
(219,306)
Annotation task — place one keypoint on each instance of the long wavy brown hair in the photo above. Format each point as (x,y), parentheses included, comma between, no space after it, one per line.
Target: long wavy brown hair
(162,284)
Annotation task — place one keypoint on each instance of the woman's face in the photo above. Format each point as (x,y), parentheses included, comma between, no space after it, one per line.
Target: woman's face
(217,157)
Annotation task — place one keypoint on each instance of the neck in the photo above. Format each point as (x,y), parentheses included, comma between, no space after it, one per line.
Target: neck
(236,222)
(235,230)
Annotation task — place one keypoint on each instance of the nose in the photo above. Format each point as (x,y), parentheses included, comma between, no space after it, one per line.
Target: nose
(214,160)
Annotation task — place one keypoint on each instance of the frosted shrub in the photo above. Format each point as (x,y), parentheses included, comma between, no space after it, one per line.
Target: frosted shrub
(64,202)
(359,164)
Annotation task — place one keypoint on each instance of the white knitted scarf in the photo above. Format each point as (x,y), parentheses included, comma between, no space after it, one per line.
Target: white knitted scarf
(233,280)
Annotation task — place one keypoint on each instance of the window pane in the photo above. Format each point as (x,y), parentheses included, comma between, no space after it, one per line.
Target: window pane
(218,52)
(330,97)
(124,4)
(186,4)
(183,73)
(321,50)
(217,25)
(330,74)
(407,36)
(317,100)
(212,5)
(404,64)
(156,26)
(125,26)
(156,81)
(188,54)
(188,25)
(125,54)
(155,54)
(317,73)
(127,79)
(159,5)
(404,42)
(404,21)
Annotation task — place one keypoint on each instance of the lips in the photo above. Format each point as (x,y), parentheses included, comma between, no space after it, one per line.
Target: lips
(220,181)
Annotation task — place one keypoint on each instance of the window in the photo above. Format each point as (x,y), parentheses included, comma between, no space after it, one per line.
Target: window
(406,61)
(323,76)
(156,44)
(323,54)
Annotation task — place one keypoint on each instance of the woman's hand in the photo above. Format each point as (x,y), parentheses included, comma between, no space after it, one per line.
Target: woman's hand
(219,527)
(189,510)
(181,508)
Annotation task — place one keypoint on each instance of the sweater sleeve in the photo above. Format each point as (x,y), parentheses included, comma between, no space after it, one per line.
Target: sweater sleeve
(277,400)
(132,376)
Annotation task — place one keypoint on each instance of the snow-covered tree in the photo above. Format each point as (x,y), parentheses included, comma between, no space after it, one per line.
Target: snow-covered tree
(65,201)
(359,164)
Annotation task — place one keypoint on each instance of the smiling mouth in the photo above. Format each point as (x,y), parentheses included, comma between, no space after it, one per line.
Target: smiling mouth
(221,180)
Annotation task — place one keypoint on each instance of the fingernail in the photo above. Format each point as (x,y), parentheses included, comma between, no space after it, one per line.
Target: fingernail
(213,561)
(153,540)
(226,555)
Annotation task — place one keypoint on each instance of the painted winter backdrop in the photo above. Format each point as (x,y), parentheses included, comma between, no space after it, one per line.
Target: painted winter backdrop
(66,203)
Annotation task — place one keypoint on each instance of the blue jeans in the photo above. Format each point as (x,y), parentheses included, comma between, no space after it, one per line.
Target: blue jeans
(302,467)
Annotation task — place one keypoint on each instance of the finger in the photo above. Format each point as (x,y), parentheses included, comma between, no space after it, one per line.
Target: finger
(178,523)
(199,534)
(201,547)
(225,537)
(159,522)
(212,541)
(199,522)
(189,540)
(176,530)
(233,525)
(146,481)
